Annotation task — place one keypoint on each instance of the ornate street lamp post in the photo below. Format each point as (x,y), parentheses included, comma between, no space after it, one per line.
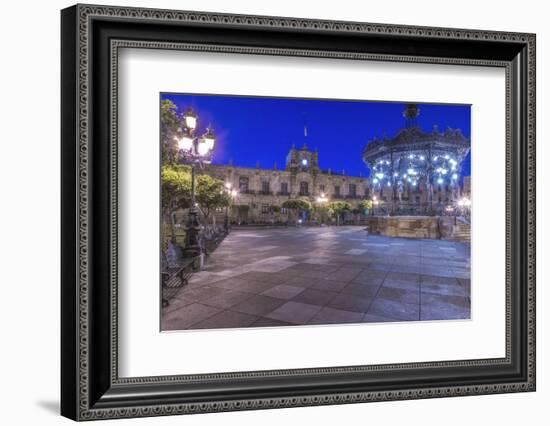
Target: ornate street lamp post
(232,194)
(322,199)
(194,150)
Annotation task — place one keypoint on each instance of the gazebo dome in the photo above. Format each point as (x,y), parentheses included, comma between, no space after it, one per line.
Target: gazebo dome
(414,157)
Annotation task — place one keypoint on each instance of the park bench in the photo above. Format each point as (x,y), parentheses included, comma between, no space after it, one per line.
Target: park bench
(176,269)
(211,238)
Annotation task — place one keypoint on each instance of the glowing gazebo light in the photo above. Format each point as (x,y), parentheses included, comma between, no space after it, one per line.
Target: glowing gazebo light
(414,158)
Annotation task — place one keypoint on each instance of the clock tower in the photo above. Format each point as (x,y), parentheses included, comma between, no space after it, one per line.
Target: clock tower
(302,160)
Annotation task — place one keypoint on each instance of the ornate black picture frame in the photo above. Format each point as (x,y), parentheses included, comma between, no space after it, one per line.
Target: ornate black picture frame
(91,37)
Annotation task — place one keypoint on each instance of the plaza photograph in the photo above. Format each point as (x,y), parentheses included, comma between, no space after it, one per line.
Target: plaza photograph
(281,212)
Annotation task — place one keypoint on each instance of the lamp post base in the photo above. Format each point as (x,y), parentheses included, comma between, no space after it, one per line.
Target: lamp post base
(192,232)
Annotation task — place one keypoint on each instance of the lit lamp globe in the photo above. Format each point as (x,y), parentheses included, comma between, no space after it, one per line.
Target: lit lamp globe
(209,139)
(202,148)
(190,119)
(206,143)
(322,198)
(185,143)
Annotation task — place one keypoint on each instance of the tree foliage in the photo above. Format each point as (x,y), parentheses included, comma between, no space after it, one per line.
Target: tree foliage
(339,207)
(169,125)
(210,194)
(321,211)
(297,204)
(175,187)
(176,190)
(366,204)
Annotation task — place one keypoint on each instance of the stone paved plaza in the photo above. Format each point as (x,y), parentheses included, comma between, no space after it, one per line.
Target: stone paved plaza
(324,275)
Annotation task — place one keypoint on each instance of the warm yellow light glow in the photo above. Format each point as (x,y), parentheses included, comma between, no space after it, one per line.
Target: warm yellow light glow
(228,185)
(234,193)
(190,121)
(464,202)
(185,143)
(203,148)
(209,142)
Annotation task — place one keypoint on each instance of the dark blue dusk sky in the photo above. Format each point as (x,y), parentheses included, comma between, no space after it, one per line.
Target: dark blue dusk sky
(251,129)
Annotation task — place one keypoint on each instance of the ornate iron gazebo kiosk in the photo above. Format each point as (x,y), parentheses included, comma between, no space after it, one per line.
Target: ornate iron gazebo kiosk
(416,172)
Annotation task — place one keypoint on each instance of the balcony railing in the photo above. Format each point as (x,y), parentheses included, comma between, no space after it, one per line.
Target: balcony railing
(284,193)
(265,193)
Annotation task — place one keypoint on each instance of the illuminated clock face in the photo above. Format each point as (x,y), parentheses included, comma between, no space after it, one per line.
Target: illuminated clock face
(304,162)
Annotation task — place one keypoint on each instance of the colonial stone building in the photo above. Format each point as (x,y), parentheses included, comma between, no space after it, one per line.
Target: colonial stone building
(259,190)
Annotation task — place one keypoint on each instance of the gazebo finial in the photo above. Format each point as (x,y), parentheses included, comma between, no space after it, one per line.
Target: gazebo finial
(411,113)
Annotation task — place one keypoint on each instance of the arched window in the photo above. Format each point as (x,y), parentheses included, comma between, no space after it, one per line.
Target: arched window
(304,188)
(352,190)
(243,183)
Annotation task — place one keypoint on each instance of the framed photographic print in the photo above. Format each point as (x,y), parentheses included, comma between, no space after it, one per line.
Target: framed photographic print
(264,212)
